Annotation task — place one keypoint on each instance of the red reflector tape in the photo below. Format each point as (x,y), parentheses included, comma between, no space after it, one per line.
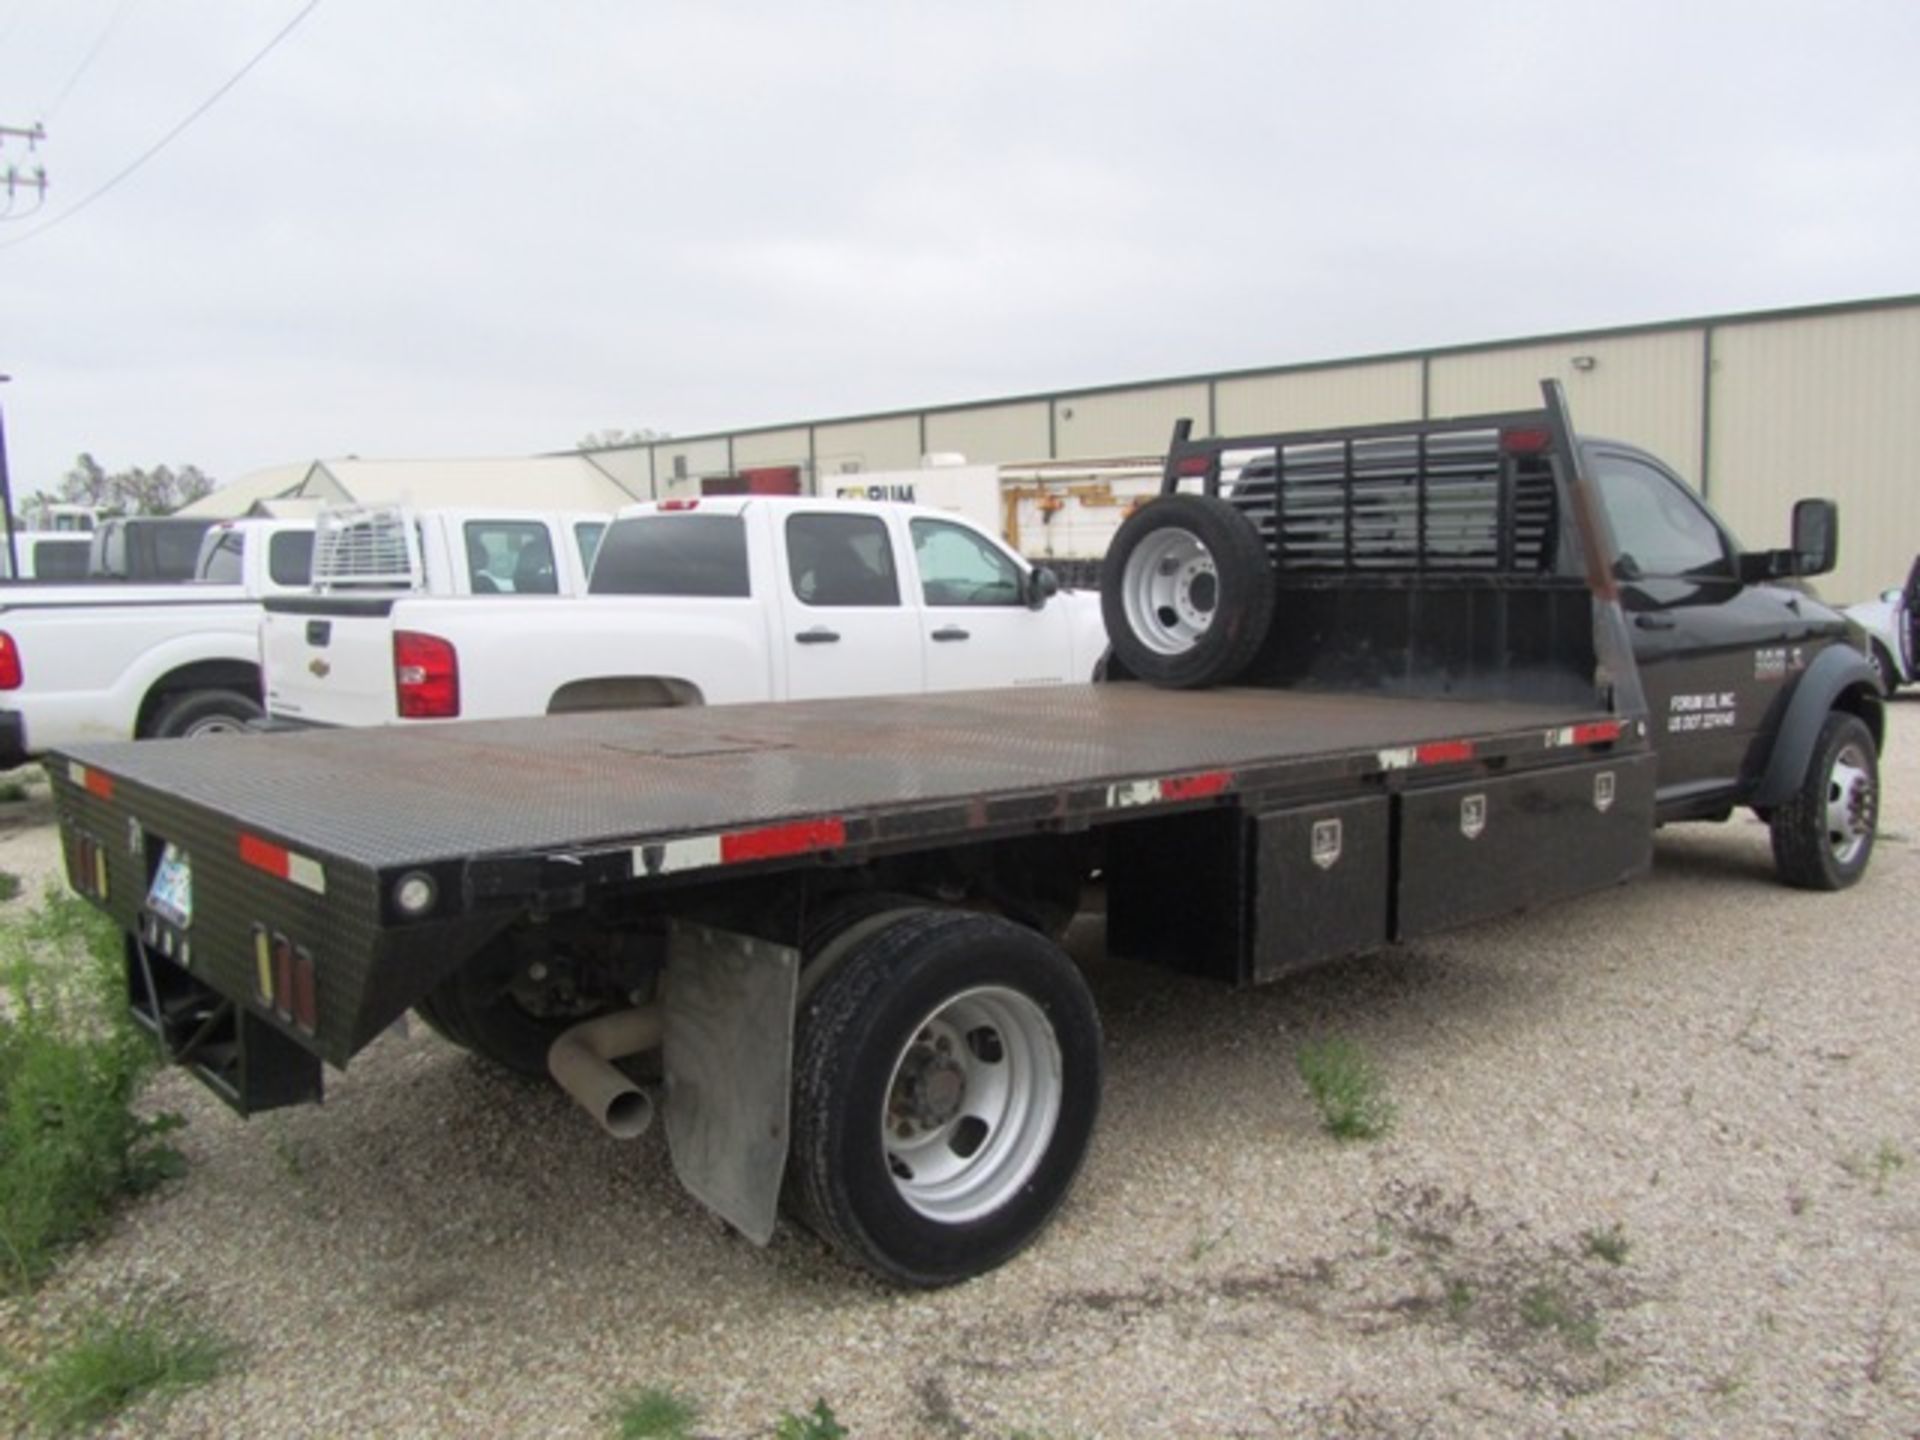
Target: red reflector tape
(1436,752)
(94,782)
(1597,732)
(283,864)
(1195,787)
(702,852)
(1129,793)
(778,840)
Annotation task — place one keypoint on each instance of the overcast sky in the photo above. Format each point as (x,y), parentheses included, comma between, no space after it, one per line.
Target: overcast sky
(483,228)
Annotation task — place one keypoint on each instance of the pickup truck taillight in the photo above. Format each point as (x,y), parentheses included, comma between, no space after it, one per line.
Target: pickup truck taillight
(426,676)
(9,663)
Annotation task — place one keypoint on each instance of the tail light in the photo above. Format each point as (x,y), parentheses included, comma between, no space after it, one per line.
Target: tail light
(1525,442)
(679,505)
(426,676)
(9,663)
(284,979)
(87,866)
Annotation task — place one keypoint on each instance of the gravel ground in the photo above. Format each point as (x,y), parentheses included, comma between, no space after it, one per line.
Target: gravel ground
(1716,1070)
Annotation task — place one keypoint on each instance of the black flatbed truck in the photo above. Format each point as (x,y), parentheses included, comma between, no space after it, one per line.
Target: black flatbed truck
(832,918)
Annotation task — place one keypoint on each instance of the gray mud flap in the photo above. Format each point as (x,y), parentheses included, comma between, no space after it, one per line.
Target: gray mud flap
(728,1054)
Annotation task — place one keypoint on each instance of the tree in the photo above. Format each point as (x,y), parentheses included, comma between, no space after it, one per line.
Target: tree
(158,491)
(613,439)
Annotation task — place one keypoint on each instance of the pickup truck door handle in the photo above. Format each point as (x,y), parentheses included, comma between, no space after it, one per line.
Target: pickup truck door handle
(950,632)
(818,635)
(1653,620)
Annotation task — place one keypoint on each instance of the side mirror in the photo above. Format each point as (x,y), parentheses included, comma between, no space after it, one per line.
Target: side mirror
(1816,537)
(1042,586)
(1892,597)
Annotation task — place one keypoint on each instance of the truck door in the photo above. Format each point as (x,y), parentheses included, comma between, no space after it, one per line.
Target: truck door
(845,629)
(976,625)
(1713,653)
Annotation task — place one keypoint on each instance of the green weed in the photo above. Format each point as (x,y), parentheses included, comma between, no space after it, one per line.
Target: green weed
(654,1414)
(816,1424)
(71,1064)
(10,885)
(1346,1088)
(1610,1244)
(1546,1307)
(115,1362)
(1459,1299)
(12,792)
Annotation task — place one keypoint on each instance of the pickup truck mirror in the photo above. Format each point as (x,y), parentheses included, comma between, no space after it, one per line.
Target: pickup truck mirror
(1042,585)
(1816,537)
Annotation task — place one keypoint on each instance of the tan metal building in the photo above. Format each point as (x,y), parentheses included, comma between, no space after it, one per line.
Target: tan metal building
(1756,410)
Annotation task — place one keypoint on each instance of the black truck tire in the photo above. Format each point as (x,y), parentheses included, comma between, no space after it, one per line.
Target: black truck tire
(204,712)
(946,1079)
(1823,836)
(1187,592)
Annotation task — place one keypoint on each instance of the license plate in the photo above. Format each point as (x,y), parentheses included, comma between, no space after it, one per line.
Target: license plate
(171,894)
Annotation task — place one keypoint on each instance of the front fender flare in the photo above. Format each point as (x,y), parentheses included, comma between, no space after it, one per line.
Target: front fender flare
(1835,671)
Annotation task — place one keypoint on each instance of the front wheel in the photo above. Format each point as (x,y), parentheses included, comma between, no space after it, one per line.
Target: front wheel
(1823,836)
(946,1081)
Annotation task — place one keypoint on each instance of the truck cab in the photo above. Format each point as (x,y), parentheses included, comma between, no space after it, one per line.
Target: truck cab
(1721,634)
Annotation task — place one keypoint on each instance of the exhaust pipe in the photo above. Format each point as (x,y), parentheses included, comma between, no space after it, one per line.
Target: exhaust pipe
(580,1061)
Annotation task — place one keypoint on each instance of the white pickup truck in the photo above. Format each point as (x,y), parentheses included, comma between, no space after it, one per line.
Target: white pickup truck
(698,602)
(93,662)
(114,662)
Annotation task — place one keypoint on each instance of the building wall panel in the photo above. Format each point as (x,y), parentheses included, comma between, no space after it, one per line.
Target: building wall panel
(1822,406)
(630,469)
(991,433)
(1309,399)
(892,443)
(771,447)
(678,467)
(1644,389)
(1126,422)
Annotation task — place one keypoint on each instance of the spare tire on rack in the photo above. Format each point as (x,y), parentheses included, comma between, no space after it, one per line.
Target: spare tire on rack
(1187,592)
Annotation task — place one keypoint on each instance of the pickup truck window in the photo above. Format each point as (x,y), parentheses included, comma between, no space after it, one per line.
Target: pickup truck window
(222,565)
(510,557)
(1657,524)
(841,560)
(290,557)
(958,567)
(586,537)
(700,555)
(61,559)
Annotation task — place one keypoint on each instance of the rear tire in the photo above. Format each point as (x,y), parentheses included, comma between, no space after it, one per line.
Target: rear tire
(199,713)
(946,1081)
(1187,592)
(1823,836)
(476,1008)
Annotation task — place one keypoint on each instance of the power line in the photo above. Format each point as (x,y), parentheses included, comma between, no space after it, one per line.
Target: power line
(171,135)
(93,53)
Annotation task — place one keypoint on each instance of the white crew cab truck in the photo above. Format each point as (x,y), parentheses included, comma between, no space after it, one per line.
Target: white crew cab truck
(126,662)
(711,601)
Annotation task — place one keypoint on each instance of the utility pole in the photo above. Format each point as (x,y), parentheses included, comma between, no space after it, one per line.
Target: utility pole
(13,177)
(6,495)
(15,181)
